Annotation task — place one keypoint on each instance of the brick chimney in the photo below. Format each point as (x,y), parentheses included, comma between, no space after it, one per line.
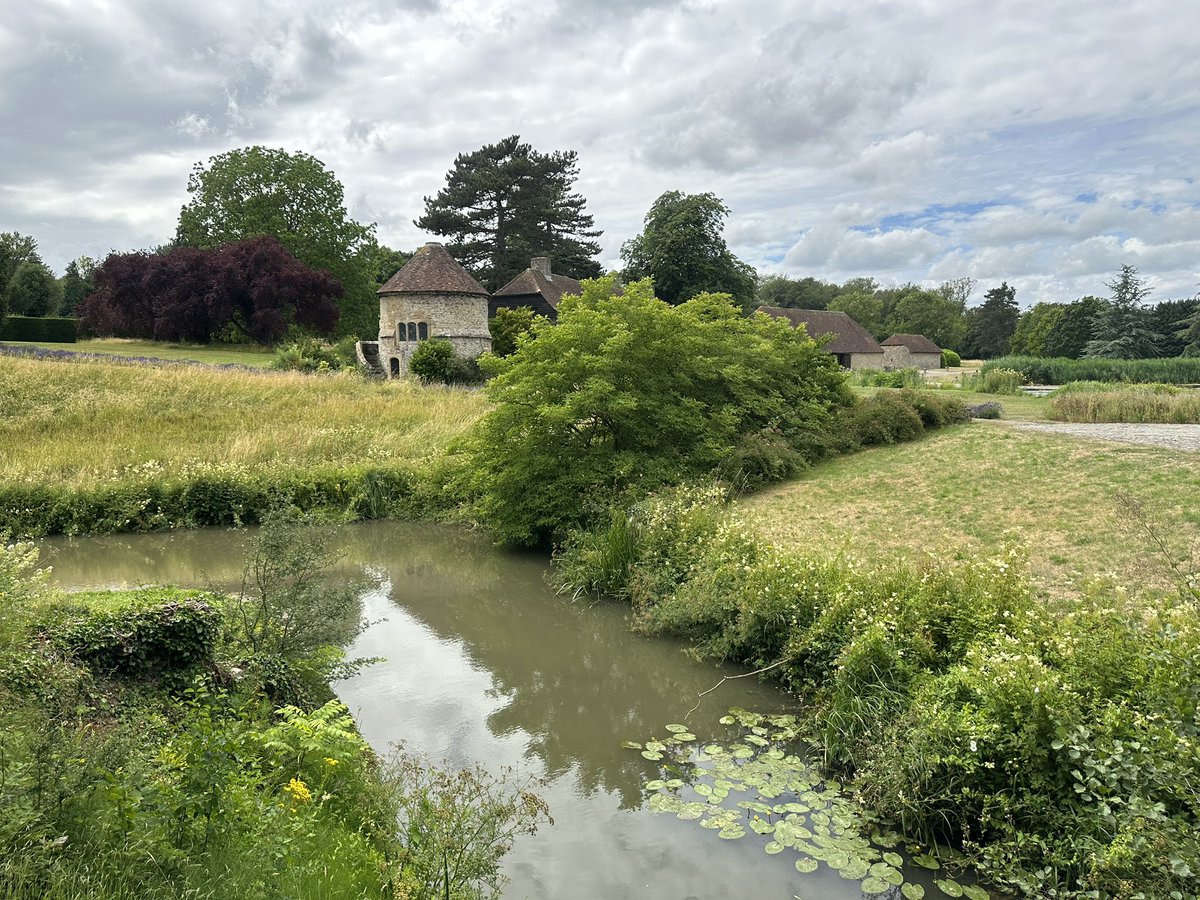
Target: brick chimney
(541,264)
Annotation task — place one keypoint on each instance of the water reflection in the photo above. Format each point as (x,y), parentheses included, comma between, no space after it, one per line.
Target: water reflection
(485,663)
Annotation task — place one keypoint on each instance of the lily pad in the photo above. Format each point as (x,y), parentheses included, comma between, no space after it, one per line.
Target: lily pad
(761,826)
(773,847)
(651,754)
(631,745)
(655,745)
(892,859)
(874,886)
(655,785)
(855,870)
(926,861)
(804,865)
(732,832)
(677,728)
(949,888)
(975,892)
(912,891)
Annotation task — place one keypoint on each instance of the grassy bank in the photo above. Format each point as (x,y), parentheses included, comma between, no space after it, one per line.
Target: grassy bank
(210,354)
(1053,742)
(968,490)
(163,743)
(1038,370)
(159,446)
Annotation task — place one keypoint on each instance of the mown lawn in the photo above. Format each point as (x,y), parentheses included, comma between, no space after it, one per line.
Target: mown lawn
(82,424)
(969,489)
(216,354)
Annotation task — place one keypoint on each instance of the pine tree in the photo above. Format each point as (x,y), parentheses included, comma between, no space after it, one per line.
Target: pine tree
(504,204)
(1122,329)
(991,325)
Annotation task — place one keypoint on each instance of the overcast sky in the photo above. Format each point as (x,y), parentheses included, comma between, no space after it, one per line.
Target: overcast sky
(1043,143)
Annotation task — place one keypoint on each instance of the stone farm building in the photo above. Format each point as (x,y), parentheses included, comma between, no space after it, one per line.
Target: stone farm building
(538,288)
(901,351)
(852,344)
(431,297)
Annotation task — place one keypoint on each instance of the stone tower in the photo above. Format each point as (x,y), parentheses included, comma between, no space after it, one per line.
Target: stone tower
(431,297)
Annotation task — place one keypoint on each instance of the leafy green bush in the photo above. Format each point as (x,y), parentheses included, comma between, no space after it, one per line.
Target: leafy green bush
(882,418)
(996,381)
(47,330)
(436,362)
(1054,744)
(627,393)
(313,355)
(1060,370)
(507,326)
(950,358)
(898,378)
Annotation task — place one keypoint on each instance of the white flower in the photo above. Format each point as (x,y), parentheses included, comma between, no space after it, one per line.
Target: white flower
(973,747)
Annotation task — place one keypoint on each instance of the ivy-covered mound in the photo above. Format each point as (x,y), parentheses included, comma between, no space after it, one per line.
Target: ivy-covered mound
(1055,743)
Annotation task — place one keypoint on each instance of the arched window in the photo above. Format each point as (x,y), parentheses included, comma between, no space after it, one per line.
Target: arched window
(412,331)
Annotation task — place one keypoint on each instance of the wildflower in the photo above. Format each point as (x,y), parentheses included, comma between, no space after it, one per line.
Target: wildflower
(298,790)
(330,761)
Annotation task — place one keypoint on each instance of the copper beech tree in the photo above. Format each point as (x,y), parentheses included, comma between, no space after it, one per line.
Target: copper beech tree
(254,288)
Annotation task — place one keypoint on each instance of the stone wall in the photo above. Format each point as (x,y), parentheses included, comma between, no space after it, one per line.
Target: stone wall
(900,357)
(462,319)
(866,361)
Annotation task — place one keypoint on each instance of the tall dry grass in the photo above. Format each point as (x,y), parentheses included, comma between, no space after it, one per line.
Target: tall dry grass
(81,424)
(1158,404)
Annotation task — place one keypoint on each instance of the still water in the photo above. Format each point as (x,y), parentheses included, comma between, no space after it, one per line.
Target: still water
(485,663)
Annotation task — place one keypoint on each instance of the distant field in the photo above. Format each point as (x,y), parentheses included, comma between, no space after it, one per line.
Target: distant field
(968,489)
(217,354)
(88,423)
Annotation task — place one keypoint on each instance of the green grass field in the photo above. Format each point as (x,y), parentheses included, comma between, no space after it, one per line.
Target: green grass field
(88,423)
(969,489)
(215,354)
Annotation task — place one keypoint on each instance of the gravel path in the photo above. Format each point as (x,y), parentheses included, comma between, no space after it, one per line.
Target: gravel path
(1173,437)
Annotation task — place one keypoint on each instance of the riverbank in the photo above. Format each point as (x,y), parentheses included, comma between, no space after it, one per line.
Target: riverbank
(168,743)
(1054,742)
(93,447)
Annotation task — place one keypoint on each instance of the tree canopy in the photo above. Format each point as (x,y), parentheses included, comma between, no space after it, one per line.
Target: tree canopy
(683,249)
(938,317)
(291,196)
(627,393)
(506,203)
(1122,329)
(253,287)
(27,286)
(990,326)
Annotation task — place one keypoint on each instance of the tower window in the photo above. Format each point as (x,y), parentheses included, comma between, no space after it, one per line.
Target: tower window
(412,331)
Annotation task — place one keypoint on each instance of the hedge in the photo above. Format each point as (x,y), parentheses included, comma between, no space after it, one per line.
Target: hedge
(1060,370)
(28,328)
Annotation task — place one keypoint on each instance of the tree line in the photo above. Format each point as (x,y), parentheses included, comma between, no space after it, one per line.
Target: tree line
(502,205)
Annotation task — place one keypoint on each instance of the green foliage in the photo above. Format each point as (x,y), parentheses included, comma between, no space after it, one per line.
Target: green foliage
(682,249)
(929,313)
(997,380)
(1133,371)
(76,283)
(44,329)
(989,410)
(950,358)
(456,826)
(160,631)
(897,378)
(882,418)
(1054,744)
(796,293)
(32,290)
(1070,335)
(506,203)
(292,196)
(864,308)
(507,326)
(314,355)
(1097,402)
(1123,329)
(627,393)
(990,326)
(435,361)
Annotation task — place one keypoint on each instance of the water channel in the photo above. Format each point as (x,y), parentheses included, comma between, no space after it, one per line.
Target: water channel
(485,663)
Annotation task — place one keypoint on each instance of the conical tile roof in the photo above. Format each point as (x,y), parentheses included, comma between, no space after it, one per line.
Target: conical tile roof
(432,270)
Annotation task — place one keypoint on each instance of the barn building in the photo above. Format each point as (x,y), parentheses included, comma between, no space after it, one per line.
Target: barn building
(901,351)
(852,344)
(538,288)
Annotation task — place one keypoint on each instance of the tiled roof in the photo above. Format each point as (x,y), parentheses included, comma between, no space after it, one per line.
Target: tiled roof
(916,343)
(532,281)
(432,270)
(851,337)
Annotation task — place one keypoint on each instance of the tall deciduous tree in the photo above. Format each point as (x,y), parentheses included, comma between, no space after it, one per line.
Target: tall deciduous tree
(506,203)
(683,249)
(864,307)
(1070,335)
(1122,328)
(76,283)
(990,325)
(32,290)
(924,312)
(294,198)
(1034,328)
(796,293)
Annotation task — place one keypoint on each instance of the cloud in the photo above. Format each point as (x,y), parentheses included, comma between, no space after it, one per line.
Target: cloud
(1039,144)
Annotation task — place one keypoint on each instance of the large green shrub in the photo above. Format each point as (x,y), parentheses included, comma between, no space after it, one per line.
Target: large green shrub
(436,362)
(42,330)
(950,358)
(627,393)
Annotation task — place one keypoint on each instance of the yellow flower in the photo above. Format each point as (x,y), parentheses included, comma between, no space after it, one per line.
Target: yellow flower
(299,791)
(330,761)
